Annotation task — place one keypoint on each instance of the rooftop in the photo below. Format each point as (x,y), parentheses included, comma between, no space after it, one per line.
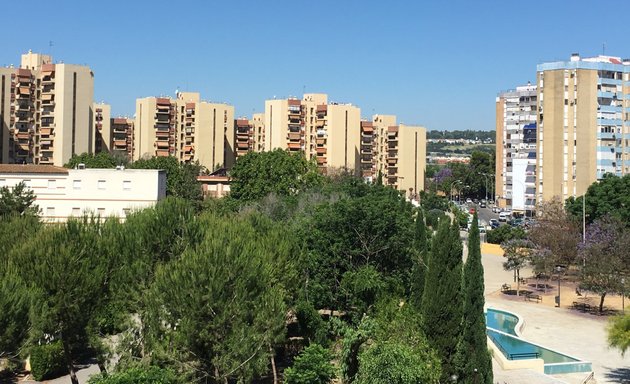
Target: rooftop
(31,168)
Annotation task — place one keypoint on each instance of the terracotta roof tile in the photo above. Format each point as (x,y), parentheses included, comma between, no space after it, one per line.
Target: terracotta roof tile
(31,168)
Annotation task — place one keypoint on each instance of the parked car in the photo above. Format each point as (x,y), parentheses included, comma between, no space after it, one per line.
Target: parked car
(494,223)
(469,200)
(496,209)
(482,205)
(503,216)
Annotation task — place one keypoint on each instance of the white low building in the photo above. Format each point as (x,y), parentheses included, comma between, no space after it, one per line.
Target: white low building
(62,193)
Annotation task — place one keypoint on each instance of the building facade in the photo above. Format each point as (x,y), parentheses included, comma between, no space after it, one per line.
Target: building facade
(122,138)
(515,172)
(583,123)
(186,127)
(63,193)
(102,127)
(46,111)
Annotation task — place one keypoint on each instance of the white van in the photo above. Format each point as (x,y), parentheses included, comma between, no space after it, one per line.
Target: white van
(503,216)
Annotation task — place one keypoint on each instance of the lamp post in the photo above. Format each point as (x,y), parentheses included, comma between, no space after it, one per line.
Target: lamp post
(452,185)
(623,295)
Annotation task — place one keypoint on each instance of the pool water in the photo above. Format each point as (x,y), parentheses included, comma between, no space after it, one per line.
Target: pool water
(501,330)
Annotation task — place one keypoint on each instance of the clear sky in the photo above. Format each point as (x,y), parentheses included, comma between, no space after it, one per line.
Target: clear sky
(438,64)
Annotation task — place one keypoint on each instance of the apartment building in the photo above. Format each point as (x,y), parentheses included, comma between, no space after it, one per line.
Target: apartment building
(399,154)
(244,136)
(515,165)
(62,193)
(326,132)
(185,127)
(583,123)
(46,111)
(122,138)
(367,161)
(102,127)
(258,124)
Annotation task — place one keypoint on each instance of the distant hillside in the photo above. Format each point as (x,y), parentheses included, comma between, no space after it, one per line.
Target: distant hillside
(486,137)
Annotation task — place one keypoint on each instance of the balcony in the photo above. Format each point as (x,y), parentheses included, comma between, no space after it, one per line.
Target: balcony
(294,136)
(320,150)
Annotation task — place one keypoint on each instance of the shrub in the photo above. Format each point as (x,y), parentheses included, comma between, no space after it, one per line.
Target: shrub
(505,233)
(433,217)
(47,361)
(311,367)
(148,375)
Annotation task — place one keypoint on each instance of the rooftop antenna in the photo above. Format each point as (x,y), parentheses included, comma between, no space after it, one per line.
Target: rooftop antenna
(50,45)
(604,49)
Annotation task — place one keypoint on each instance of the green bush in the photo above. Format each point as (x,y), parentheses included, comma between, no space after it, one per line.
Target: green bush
(47,361)
(311,367)
(148,375)
(433,217)
(505,233)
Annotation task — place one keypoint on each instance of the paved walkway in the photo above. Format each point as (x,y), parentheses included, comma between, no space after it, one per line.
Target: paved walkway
(567,331)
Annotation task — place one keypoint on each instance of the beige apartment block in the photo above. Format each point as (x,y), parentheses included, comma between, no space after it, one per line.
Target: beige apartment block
(583,124)
(326,132)
(46,111)
(400,153)
(243,137)
(366,152)
(102,127)
(258,122)
(122,138)
(186,127)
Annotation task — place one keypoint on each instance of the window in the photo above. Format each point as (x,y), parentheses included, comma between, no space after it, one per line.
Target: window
(52,184)
(50,211)
(76,211)
(126,211)
(101,212)
(101,184)
(126,185)
(76,184)
(27,182)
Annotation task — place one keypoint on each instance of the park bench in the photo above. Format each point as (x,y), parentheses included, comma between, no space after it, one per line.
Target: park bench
(532,297)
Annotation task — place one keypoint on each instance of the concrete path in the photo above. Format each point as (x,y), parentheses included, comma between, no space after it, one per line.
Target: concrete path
(569,332)
(83,375)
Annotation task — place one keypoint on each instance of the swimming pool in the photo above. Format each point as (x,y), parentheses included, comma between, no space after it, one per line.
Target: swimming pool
(501,329)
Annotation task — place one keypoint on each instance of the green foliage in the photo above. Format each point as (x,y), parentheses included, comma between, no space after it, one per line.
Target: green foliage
(609,196)
(442,301)
(467,134)
(505,233)
(431,201)
(137,375)
(258,174)
(17,201)
(373,226)
(434,217)
(420,261)
(181,179)
(473,361)
(361,287)
(310,323)
(619,333)
(99,160)
(220,307)
(353,339)
(47,361)
(312,366)
(394,363)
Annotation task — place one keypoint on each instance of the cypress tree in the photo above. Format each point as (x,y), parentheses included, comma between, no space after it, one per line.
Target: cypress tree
(442,298)
(474,363)
(419,261)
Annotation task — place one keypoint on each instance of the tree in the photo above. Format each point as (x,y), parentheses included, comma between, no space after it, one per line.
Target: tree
(609,196)
(619,333)
(181,179)
(65,272)
(99,160)
(518,254)
(394,363)
(257,174)
(442,301)
(604,255)
(137,375)
(17,201)
(419,267)
(373,226)
(215,311)
(312,366)
(555,237)
(505,233)
(473,360)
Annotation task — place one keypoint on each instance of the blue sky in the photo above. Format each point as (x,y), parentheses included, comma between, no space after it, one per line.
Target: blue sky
(439,64)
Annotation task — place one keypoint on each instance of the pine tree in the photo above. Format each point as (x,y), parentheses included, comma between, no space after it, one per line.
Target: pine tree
(442,298)
(419,261)
(474,364)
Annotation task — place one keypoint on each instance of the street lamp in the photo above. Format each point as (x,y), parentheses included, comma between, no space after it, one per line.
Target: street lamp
(452,185)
